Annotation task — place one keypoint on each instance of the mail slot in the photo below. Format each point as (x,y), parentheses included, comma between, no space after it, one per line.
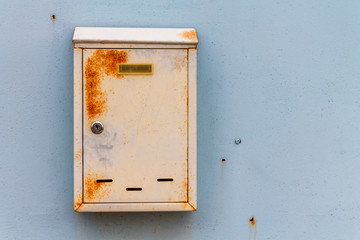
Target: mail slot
(134,119)
(135,68)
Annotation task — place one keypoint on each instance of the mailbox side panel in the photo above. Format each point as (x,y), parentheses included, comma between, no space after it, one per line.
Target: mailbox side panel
(192,137)
(78,149)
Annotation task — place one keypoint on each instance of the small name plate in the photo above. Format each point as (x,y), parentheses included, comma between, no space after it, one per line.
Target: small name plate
(136,68)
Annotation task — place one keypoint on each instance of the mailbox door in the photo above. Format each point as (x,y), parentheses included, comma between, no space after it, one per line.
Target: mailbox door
(141,154)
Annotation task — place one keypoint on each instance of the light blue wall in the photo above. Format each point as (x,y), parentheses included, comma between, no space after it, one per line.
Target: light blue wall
(282,75)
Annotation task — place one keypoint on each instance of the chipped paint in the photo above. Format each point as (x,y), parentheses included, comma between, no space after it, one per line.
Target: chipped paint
(99,64)
(189,35)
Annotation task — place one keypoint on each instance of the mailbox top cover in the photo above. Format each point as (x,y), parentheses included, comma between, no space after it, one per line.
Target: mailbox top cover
(185,36)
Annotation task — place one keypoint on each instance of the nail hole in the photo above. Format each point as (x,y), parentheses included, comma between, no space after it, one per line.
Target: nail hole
(223,160)
(133,189)
(53,17)
(104,180)
(165,179)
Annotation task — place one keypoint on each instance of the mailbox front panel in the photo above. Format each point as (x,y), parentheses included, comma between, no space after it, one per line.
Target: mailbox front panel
(141,154)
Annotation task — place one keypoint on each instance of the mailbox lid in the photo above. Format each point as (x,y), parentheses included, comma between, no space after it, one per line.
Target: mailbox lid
(185,36)
(145,126)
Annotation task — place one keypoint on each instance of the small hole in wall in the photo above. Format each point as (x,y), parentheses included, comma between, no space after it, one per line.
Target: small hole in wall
(223,160)
(53,17)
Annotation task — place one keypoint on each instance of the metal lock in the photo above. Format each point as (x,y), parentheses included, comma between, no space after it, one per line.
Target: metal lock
(97,127)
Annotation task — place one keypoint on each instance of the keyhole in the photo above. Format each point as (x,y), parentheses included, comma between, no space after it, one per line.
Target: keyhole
(97,127)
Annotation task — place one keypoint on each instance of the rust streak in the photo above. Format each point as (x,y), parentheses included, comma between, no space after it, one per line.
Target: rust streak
(252,233)
(185,185)
(189,35)
(99,64)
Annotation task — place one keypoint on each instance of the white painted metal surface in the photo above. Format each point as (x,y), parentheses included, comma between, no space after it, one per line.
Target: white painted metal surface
(145,159)
(135,35)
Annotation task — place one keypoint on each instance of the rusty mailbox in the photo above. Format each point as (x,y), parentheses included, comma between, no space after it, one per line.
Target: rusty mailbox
(134,119)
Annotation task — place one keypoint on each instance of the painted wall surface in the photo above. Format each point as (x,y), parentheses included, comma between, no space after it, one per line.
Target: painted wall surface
(284,76)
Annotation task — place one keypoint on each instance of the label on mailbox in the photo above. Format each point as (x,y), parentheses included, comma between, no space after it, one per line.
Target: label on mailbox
(132,68)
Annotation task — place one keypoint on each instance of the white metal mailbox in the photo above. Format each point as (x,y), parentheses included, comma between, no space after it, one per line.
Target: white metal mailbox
(134,119)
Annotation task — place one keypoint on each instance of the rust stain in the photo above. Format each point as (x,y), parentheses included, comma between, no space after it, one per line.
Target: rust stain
(183,127)
(53,17)
(179,63)
(186,205)
(99,64)
(77,158)
(252,221)
(223,161)
(78,201)
(189,35)
(185,185)
(77,155)
(185,189)
(93,189)
(80,208)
